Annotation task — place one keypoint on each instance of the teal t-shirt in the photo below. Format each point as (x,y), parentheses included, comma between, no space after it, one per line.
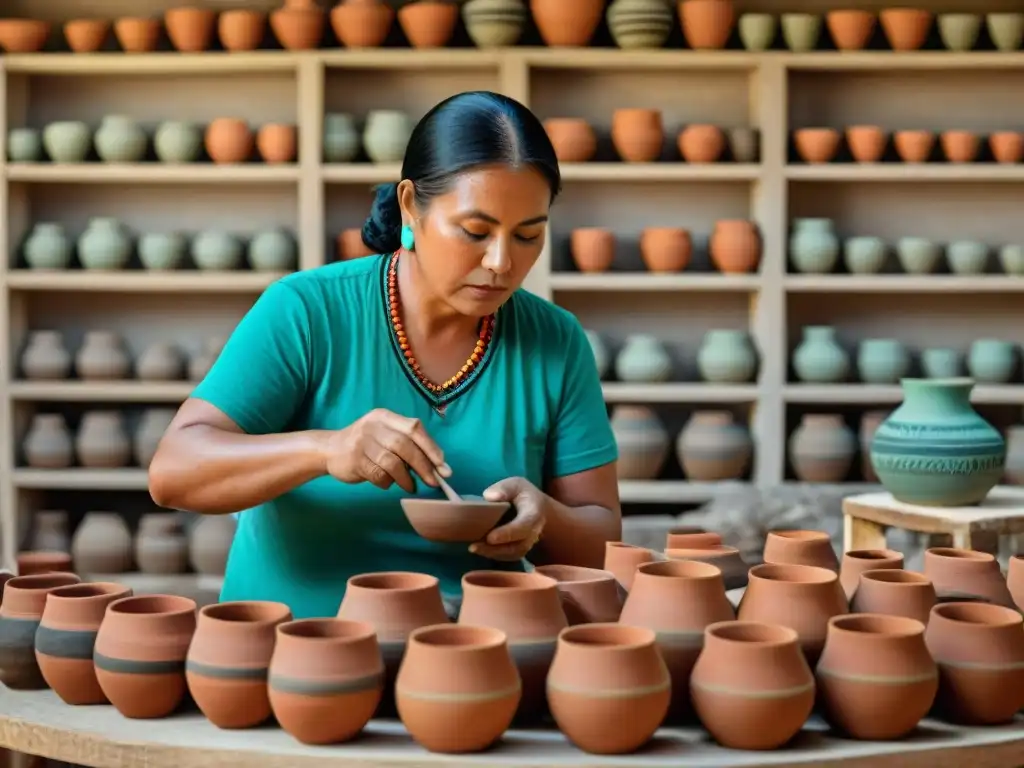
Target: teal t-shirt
(316,352)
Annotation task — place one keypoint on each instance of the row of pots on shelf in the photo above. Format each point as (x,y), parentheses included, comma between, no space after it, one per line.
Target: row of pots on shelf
(108,244)
(734,247)
(122,139)
(102,440)
(103,543)
(104,356)
(820,359)
(867,144)
(726,356)
(638,136)
(815,248)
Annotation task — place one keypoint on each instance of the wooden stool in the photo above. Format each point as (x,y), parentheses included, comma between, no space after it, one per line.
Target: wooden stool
(866,516)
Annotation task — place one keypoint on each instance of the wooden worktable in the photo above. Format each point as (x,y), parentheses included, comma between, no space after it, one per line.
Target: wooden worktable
(39,723)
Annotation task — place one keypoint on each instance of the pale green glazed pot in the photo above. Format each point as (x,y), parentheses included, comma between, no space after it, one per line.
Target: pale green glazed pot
(935,450)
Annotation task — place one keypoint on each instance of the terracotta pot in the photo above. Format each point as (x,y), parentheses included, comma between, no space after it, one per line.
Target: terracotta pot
(66,637)
(858,561)
(735,246)
(913,146)
(822,448)
(190,28)
(751,685)
(23,35)
(866,142)
(876,679)
(850,29)
(800,548)
(637,134)
(362,23)
(137,35)
(457,674)
(227,662)
(592,249)
(350,245)
(725,558)
(428,23)
(981,662)
(36,562)
(86,35)
(678,599)
(802,597)
(241,29)
(906,29)
(959,146)
(277,143)
(394,604)
(1015,580)
(589,595)
(621,560)
(666,249)
(140,653)
(817,145)
(608,688)
(701,143)
(527,608)
(567,22)
(573,139)
(966,574)
(229,140)
(24,598)
(707,24)
(298,27)
(695,540)
(894,593)
(1007,146)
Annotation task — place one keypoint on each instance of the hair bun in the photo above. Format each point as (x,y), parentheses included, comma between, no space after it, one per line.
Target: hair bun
(382,230)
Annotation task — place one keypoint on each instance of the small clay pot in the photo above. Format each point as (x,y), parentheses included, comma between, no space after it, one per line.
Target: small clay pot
(666,249)
(707,24)
(350,245)
(966,574)
(914,146)
(241,29)
(858,561)
(1007,146)
(573,139)
(449,521)
(959,146)
(190,28)
(362,23)
(277,143)
(735,246)
(229,140)
(588,595)
(592,249)
(696,539)
(701,143)
(906,29)
(725,558)
(817,145)
(567,23)
(23,35)
(894,593)
(86,35)
(866,142)
(24,600)
(850,29)
(622,559)
(637,134)
(800,548)
(136,34)
(428,23)
(298,27)
(36,562)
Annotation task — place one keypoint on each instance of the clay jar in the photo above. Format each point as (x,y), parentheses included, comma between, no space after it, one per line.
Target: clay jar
(858,561)
(48,443)
(802,597)
(850,29)
(102,543)
(102,357)
(713,447)
(876,679)
(86,35)
(966,574)
(816,145)
(457,674)
(325,680)
(707,24)
(701,143)
(735,246)
(800,548)
(241,29)
(45,357)
(395,604)
(361,23)
(227,662)
(751,686)
(101,441)
(588,595)
(140,653)
(24,598)
(190,29)
(573,139)
(866,142)
(622,559)
(160,362)
(822,449)
(677,599)
(906,29)
(299,25)
(592,249)
(959,146)
(981,662)
(1006,146)
(608,688)
(727,356)
(137,34)
(428,23)
(277,143)
(637,134)
(160,544)
(66,638)
(642,440)
(894,592)
(666,249)
(229,140)
(566,22)
(527,608)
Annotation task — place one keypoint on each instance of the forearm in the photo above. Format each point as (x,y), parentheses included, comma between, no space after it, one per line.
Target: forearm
(576,535)
(204,469)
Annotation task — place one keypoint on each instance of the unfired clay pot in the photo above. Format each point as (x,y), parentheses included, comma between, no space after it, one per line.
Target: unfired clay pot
(102,357)
(822,448)
(102,543)
(48,443)
(102,441)
(45,357)
(642,440)
(894,592)
(160,362)
(160,544)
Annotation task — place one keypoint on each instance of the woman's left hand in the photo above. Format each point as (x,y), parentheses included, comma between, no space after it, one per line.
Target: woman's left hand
(512,541)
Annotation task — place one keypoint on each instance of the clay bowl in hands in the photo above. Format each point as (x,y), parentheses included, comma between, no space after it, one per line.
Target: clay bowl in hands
(442,520)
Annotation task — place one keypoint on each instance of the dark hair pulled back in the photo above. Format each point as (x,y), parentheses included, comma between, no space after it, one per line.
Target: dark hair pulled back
(463,132)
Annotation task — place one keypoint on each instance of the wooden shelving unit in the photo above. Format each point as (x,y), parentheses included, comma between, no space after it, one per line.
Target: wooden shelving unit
(775,92)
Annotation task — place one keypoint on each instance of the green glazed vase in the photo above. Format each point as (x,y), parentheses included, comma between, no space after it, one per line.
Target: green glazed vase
(935,450)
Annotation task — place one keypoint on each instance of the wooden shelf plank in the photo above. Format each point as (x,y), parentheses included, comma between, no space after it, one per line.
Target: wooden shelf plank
(240,281)
(611,59)
(162,63)
(81,479)
(646,281)
(827,61)
(623,172)
(361,173)
(882,394)
(151,173)
(904,283)
(101,391)
(906,172)
(669,491)
(679,392)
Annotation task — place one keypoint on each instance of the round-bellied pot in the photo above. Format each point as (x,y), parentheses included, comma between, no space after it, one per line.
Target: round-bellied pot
(494,23)
(966,574)
(36,562)
(712,447)
(362,23)
(609,689)
(457,674)
(589,595)
(819,358)
(894,593)
(876,679)
(935,450)
(727,356)
(642,441)
(858,561)
(140,653)
(66,639)
(800,548)
(751,685)
(822,448)
(24,599)
(325,680)
(227,662)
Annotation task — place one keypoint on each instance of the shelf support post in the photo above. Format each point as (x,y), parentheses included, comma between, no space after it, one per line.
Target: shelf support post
(310,108)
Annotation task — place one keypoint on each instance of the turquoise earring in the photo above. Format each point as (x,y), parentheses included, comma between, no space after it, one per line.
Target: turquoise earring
(408,238)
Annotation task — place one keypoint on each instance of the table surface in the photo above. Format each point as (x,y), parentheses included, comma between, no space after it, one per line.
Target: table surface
(1002,508)
(39,723)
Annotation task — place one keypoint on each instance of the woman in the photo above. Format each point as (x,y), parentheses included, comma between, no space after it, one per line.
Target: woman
(345,387)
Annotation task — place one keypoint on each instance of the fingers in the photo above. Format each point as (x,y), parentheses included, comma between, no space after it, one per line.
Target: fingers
(384,467)
(524,525)
(502,552)
(415,431)
(505,490)
(410,453)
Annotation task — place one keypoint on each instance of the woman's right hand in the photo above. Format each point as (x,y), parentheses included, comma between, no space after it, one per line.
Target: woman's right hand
(381,448)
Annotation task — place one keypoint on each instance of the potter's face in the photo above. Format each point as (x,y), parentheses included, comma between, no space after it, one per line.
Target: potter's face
(477,242)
